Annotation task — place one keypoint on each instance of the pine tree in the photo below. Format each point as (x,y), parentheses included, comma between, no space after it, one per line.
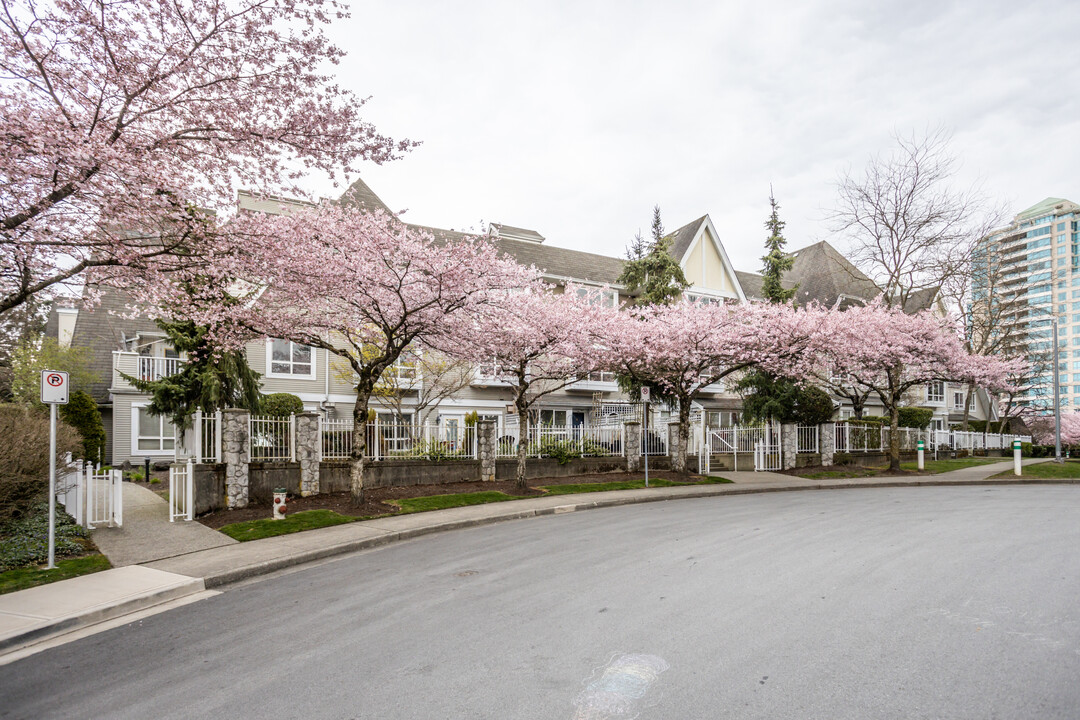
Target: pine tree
(777,262)
(210,380)
(650,269)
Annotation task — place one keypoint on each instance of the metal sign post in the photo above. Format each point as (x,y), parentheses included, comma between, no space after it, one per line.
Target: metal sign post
(54,391)
(645,395)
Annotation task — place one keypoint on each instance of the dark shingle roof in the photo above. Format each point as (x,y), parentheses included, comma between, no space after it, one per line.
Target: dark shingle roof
(921,300)
(827,277)
(681,238)
(751,284)
(361,196)
(101,329)
(555,262)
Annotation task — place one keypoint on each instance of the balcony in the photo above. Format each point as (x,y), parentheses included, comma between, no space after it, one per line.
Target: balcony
(143,367)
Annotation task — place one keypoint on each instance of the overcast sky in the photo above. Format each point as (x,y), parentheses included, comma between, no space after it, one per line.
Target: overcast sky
(575,118)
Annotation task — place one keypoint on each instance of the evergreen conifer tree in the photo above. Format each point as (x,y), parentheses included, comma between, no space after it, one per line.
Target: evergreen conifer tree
(776,261)
(650,269)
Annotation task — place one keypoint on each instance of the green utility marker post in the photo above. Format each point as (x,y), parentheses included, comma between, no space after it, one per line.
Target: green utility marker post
(1016,457)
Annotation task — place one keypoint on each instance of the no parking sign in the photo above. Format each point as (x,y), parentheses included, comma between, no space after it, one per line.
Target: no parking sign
(54,387)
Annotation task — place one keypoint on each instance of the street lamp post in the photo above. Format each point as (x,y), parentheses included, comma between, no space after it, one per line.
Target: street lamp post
(1057,397)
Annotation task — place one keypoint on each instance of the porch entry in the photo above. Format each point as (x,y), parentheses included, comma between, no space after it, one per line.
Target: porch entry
(763,442)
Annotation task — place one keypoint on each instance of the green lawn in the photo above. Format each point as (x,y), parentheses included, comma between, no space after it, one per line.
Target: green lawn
(940,466)
(624,485)
(1068,469)
(840,474)
(441,502)
(268,527)
(23,578)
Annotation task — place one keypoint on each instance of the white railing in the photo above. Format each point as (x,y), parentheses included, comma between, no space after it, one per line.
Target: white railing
(103,494)
(654,439)
(91,497)
(272,438)
(182,491)
(806,439)
(201,441)
(858,437)
(390,441)
(155,368)
(548,440)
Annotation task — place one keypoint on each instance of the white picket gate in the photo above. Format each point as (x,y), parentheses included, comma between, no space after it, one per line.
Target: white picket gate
(762,441)
(182,491)
(92,497)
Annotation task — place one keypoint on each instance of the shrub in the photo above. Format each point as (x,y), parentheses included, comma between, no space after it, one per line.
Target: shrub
(813,406)
(1026,449)
(282,405)
(24,457)
(871,420)
(471,418)
(82,413)
(25,541)
(842,458)
(916,417)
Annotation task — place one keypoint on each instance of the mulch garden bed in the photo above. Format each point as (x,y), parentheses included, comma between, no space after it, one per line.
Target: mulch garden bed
(375,498)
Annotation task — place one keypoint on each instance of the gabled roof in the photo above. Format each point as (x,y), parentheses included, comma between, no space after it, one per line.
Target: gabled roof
(524,246)
(921,299)
(683,238)
(359,195)
(827,277)
(751,284)
(102,329)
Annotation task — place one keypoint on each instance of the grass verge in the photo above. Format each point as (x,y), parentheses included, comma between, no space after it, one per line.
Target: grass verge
(841,474)
(1068,469)
(268,527)
(624,485)
(23,578)
(441,502)
(940,466)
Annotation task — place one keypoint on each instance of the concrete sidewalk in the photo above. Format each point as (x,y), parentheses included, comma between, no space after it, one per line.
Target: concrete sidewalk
(217,561)
(147,534)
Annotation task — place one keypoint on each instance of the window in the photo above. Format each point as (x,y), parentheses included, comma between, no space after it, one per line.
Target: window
(1062,261)
(553,418)
(935,392)
(489,369)
(1063,296)
(404,368)
(601,376)
(149,434)
(289,359)
(958,400)
(1060,227)
(599,296)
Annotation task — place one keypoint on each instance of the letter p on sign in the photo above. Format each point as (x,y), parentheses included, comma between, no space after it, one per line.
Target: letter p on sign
(54,387)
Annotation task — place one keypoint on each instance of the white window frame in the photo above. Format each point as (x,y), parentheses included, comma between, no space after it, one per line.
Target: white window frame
(289,375)
(135,436)
(931,396)
(608,297)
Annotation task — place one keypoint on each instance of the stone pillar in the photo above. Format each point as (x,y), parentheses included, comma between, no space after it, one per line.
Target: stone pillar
(486,449)
(673,443)
(632,446)
(826,442)
(308,452)
(236,452)
(789,445)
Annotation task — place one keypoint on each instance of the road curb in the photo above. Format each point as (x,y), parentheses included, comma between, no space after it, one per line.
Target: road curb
(217,580)
(106,611)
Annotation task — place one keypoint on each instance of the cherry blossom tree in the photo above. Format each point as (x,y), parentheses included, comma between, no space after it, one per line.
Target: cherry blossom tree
(688,346)
(889,352)
(362,286)
(1043,429)
(118,119)
(537,341)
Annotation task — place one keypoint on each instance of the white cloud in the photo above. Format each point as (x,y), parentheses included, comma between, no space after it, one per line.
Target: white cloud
(575,118)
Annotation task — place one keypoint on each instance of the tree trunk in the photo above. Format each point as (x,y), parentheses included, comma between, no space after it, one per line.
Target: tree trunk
(967,406)
(857,405)
(678,461)
(895,395)
(523,442)
(359,448)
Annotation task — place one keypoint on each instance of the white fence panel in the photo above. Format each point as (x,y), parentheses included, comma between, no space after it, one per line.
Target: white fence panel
(806,439)
(104,497)
(272,438)
(182,491)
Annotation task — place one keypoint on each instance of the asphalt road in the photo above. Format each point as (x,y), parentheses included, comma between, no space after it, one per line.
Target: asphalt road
(878,603)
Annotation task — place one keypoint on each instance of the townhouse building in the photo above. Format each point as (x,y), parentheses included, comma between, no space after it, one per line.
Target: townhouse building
(120,344)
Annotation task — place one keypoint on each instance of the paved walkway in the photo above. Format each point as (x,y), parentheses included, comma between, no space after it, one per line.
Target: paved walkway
(191,557)
(147,534)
